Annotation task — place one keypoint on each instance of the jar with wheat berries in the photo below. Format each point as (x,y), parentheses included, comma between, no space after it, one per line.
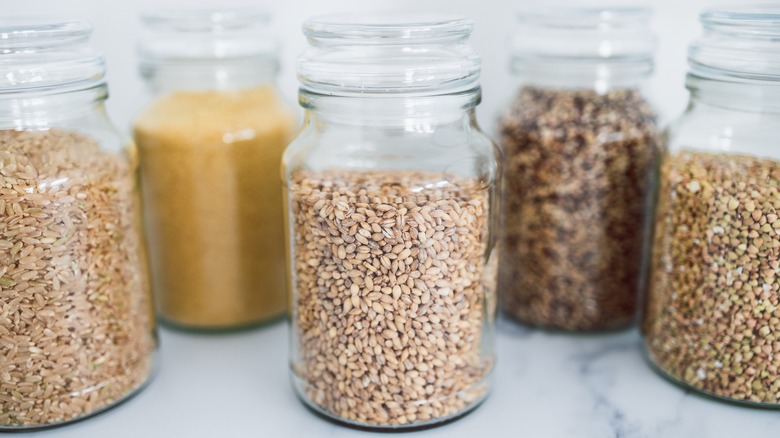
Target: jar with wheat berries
(391,194)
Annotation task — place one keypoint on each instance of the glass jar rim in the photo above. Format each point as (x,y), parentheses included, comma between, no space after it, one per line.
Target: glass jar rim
(588,17)
(388,54)
(198,35)
(739,43)
(22,31)
(47,53)
(203,20)
(385,27)
(576,44)
(547,35)
(759,17)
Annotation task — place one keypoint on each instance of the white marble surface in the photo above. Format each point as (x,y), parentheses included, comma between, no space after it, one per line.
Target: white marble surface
(547,385)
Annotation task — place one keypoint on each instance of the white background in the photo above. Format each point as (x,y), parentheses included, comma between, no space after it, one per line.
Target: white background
(117,26)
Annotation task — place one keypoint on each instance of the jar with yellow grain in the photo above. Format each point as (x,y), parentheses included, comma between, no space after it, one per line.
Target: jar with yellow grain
(210,145)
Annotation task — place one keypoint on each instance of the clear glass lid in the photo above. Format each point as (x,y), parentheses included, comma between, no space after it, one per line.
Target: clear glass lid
(740,42)
(192,35)
(47,54)
(615,35)
(388,54)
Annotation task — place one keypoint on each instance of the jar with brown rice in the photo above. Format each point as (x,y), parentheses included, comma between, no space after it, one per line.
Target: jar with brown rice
(391,191)
(77,332)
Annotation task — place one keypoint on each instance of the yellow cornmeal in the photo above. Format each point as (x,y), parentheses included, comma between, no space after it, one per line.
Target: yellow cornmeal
(212,197)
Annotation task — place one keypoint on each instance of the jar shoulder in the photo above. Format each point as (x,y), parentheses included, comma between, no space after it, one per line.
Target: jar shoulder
(443,149)
(262,104)
(189,119)
(725,130)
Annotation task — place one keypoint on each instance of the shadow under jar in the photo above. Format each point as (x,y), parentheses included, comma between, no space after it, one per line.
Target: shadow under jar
(580,143)
(712,318)
(210,142)
(77,332)
(391,209)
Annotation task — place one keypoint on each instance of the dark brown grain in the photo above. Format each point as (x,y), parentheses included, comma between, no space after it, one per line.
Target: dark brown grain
(575,195)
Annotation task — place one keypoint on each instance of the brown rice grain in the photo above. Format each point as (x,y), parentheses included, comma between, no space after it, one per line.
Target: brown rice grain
(77,329)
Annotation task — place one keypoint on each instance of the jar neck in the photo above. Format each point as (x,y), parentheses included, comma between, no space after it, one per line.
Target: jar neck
(734,95)
(391,111)
(207,75)
(51,109)
(598,75)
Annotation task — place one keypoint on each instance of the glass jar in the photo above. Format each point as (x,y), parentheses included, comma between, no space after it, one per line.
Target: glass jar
(391,192)
(580,142)
(210,145)
(77,331)
(712,320)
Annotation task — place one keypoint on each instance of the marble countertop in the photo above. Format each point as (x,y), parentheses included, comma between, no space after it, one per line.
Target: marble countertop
(546,385)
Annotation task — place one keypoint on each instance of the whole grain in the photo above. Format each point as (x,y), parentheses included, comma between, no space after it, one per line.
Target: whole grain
(76,327)
(394,294)
(713,313)
(578,167)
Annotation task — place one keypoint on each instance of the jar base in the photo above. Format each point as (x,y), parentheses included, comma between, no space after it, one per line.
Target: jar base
(700,392)
(300,391)
(220,329)
(120,401)
(555,329)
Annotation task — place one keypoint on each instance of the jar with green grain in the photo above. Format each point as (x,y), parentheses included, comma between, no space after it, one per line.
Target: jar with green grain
(712,316)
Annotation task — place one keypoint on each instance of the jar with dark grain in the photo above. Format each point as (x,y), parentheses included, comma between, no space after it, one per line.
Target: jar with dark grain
(580,143)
